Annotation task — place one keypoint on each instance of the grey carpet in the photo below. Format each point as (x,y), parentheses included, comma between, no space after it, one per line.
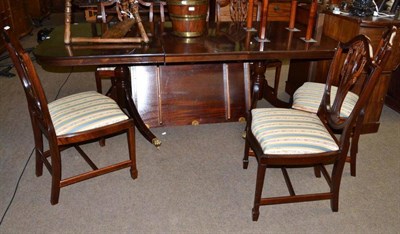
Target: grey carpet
(194,184)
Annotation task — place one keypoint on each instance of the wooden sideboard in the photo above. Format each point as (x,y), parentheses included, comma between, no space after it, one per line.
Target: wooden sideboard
(278,10)
(57,5)
(21,21)
(5,17)
(38,9)
(12,13)
(19,15)
(343,28)
(393,94)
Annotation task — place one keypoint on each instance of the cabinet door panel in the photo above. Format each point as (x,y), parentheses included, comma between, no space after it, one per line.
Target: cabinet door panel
(5,18)
(190,94)
(22,24)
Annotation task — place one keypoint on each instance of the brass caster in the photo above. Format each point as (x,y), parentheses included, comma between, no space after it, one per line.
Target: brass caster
(156,142)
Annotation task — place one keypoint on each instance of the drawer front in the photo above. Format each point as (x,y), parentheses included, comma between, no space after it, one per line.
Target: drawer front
(279,11)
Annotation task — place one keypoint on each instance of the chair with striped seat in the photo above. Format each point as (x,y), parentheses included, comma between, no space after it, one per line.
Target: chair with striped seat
(285,138)
(308,98)
(68,122)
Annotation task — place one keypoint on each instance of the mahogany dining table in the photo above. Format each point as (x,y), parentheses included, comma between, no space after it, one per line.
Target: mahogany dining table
(223,42)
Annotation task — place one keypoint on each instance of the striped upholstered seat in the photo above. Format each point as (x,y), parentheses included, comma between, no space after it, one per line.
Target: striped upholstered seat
(289,131)
(308,98)
(84,111)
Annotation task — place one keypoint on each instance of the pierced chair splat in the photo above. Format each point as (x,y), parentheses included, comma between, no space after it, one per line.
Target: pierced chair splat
(68,122)
(286,138)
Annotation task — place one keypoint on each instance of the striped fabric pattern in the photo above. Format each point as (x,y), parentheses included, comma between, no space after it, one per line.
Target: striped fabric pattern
(289,131)
(84,111)
(308,98)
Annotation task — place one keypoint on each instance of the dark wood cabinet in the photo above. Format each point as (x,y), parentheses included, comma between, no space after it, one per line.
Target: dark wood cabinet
(393,94)
(38,9)
(57,5)
(5,18)
(278,10)
(343,28)
(22,24)
(13,13)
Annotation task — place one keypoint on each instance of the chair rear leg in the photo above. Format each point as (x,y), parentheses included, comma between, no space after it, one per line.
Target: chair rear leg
(353,153)
(317,171)
(38,151)
(132,152)
(277,77)
(55,193)
(102,142)
(337,172)
(98,77)
(55,175)
(259,187)
(246,155)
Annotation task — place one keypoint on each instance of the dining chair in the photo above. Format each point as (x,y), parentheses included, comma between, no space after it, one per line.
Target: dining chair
(308,97)
(289,138)
(68,122)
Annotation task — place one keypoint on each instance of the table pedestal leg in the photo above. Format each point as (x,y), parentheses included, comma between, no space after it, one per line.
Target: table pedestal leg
(123,95)
(261,89)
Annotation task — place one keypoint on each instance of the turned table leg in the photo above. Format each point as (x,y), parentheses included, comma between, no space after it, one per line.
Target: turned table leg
(123,95)
(261,89)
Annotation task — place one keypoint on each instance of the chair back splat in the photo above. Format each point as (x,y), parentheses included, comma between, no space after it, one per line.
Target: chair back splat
(36,98)
(68,122)
(357,61)
(283,138)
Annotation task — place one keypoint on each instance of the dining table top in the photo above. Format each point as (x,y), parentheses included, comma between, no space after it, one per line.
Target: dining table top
(221,42)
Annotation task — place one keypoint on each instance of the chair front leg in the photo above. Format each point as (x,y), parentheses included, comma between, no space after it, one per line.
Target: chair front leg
(337,172)
(132,152)
(259,187)
(55,174)
(317,171)
(246,155)
(353,154)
